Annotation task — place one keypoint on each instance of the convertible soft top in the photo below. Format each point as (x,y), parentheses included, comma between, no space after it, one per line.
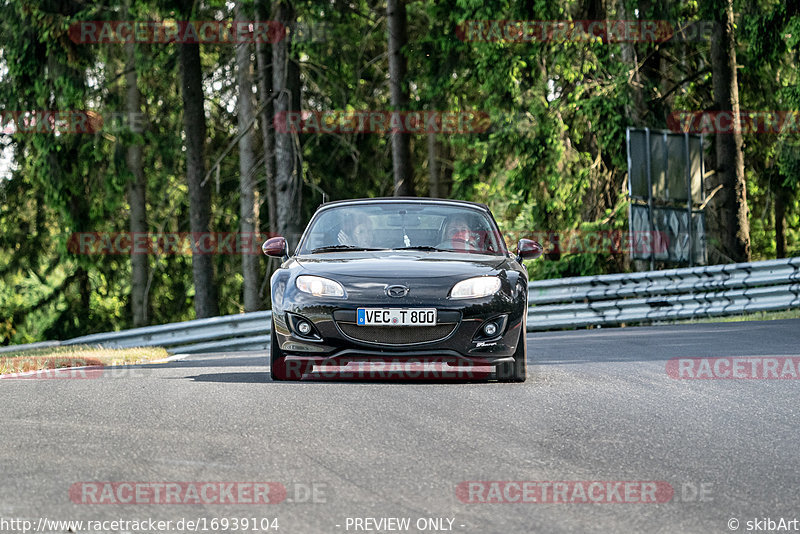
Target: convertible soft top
(405,199)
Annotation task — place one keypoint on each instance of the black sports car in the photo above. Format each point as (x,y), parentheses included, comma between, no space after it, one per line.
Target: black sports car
(399,279)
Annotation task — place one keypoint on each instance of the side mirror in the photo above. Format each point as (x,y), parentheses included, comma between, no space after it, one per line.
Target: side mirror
(275,247)
(528,250)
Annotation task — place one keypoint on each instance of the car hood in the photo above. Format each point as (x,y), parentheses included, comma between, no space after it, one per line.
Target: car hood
(399,265)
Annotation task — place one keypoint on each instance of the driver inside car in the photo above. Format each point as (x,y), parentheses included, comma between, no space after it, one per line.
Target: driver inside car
(361,235)
(458,235)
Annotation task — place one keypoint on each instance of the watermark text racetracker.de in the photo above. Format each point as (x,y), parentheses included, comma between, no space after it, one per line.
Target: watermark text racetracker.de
(392,369)
(74,121)
(166,243)
(596,241)
(728,122)
(583,491)
(584,31)
(207,493)
(565,492)
(50,367)
(194,31)
(238,243)
(144,525)
(381,122)
(192,492)
(735,368)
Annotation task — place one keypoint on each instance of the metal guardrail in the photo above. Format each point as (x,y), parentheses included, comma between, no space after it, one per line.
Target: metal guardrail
(243,331)
(603,300)
(645,297)
(29,346)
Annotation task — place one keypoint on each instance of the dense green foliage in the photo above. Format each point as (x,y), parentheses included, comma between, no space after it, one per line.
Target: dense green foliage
(552,159)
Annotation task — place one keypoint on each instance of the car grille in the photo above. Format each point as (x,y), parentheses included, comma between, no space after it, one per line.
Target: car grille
(397,335)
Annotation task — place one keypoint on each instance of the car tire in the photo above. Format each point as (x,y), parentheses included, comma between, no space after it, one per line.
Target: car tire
(277,360)
(516,371)
(278,370)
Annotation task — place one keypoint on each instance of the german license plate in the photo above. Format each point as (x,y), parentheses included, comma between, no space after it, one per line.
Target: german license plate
(396,317)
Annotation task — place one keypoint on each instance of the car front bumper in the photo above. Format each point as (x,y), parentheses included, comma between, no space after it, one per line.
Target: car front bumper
(336,339)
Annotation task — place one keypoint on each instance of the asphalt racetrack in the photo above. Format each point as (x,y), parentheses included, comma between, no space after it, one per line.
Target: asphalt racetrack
(612,432)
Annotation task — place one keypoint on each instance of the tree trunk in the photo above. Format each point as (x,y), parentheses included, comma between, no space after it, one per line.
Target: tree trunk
(136,194)
(267,114)
(401,147)
(248,211)
(194,125)
(634,108)
(286,84)
(780,225)
(433,167)
(446,161)
(731,201)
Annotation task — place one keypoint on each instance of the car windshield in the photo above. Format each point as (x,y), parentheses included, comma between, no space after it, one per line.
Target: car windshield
(396,225)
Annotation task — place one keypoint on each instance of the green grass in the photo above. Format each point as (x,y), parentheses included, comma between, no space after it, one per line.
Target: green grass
(76,356)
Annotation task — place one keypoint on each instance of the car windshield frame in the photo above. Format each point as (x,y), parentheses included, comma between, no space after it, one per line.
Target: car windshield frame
(412,225)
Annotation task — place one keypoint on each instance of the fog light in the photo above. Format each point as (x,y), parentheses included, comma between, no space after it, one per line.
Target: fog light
(304,328)
(490,329)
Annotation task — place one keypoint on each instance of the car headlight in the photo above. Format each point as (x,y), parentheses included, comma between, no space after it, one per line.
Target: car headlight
(480,286)
(318,286)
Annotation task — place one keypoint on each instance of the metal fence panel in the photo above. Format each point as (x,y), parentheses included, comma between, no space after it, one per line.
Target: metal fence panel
(668,237)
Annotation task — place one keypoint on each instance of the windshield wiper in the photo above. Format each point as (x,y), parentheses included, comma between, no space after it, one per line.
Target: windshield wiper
(421,247)
(333,248)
